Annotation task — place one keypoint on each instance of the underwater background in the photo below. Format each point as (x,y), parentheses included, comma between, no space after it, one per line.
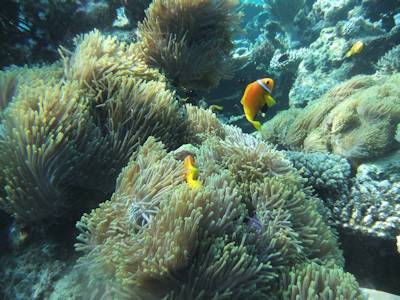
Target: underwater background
(132,165)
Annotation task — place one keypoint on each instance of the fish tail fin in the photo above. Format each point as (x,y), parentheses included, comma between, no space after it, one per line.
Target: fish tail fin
(257,125)
(348,54)
(193,183)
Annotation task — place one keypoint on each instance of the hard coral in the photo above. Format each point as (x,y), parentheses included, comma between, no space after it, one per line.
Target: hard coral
(190,41)
(372,206)
(390,62)
(328,174)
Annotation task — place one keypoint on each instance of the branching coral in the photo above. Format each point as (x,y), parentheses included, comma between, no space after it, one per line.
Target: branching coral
(390,62)
(357,120)
(287,61)
(328,174)
(311,281)
(157,238)
(190,41)
(371,207)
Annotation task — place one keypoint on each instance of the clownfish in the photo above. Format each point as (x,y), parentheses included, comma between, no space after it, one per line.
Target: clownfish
(256,97)
(191,172)
(355,49)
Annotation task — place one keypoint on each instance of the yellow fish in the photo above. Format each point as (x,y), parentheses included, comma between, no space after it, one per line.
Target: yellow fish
(355,49)
(256,97)
(191,172)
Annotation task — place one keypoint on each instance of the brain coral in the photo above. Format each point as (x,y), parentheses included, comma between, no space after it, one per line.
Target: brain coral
(158,238)
(190,41)
(356,119)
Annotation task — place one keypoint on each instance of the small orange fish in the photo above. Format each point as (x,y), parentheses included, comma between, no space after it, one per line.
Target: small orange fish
(256,97)
(191,172)
(355,49)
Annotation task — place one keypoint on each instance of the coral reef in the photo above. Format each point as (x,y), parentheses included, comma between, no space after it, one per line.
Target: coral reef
(190,41)
(356,119)
(250,220)
(59,139)
(320,32)
(30,274)
(328,174)
(284,10)
(390,62)
(373,204)
(118,116)
(287,61)
(341,24)
(44,26)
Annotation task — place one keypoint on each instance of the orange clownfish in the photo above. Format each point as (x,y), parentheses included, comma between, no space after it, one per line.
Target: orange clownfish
(256,97)
(191,172)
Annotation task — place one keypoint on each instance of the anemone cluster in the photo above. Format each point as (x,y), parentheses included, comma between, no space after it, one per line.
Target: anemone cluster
(73,126)
(190,41)
(356,119)
(239,235)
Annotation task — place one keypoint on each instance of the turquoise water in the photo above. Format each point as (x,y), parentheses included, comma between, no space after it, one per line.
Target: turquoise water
(200,149)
